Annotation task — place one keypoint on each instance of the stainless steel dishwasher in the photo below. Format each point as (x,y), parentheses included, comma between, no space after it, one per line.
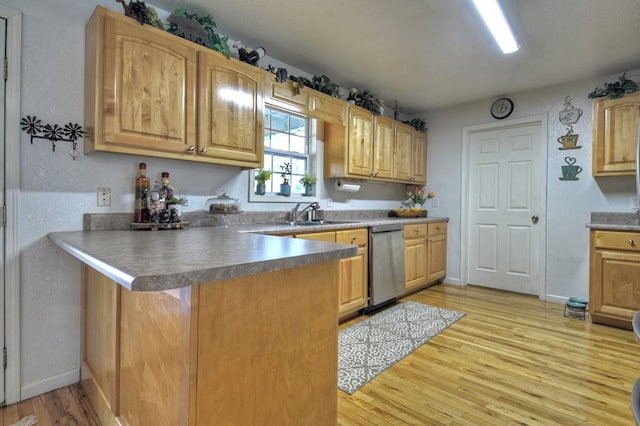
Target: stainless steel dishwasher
(386,264)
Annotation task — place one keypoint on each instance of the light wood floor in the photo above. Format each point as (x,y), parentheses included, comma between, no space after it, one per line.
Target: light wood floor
(511,360)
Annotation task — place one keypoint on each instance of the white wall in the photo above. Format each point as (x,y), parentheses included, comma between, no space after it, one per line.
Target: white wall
(569,203)
(56,190)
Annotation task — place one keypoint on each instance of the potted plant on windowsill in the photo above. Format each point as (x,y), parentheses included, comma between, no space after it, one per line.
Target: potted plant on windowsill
(308,181)
(285,186)
(261,177)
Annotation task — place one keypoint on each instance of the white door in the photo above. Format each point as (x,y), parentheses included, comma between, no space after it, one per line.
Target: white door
(3,55)
(504,232)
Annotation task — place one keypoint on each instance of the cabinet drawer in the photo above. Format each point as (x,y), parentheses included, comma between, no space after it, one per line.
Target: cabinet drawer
(437,228)
(329,237)
(359,237)
(415,231)
(617,240)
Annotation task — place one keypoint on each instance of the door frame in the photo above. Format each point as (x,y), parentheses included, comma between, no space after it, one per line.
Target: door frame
(12,202)
(467,131)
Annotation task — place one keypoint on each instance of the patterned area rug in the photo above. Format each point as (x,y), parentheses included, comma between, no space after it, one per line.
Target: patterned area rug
(375,344)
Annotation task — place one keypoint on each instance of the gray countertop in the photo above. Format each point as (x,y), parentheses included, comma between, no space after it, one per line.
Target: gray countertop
(614,221)
(163,260)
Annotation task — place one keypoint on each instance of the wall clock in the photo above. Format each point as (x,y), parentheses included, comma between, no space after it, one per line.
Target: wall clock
(501,108)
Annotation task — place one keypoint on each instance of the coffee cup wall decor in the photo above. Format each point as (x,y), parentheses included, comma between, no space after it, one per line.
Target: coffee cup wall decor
(569,114)
(570,140)
(570,171)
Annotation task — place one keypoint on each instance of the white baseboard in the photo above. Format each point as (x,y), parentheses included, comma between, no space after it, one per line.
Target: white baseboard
(50,383)
(452,281)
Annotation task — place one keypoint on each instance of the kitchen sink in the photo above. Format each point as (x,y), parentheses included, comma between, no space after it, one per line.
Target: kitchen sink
(321,222)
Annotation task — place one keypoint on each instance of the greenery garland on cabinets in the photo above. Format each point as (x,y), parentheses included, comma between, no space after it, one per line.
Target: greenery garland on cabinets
(217,42)
(615,90)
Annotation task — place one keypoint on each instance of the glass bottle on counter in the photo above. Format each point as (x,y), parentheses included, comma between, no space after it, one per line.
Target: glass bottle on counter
(166,186)
(142,186)
(156,201)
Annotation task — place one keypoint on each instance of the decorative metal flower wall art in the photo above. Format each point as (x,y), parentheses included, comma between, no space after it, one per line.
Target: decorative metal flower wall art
(69,133)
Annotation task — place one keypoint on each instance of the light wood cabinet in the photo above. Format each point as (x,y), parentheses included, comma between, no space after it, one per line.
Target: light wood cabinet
(354,271)
(231,110)
(383,147)
(425,254)
(306,101)
(615,135)
(147,92)
(614,294)
(375,148)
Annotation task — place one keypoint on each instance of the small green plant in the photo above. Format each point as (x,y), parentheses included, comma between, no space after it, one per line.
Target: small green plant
(217,42)
(263,175)
(321,83)
(366,100)
(308,179)
(285,172)
(417,123)
(615,90)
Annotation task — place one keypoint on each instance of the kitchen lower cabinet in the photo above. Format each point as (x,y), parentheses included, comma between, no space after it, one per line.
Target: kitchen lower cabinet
(425,254)
(238,351)
(353,283)
(614,277)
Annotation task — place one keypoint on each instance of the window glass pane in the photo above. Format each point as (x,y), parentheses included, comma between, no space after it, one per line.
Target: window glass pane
(298,126)
(279,121)
(267,118)
(298,144)
(280,141)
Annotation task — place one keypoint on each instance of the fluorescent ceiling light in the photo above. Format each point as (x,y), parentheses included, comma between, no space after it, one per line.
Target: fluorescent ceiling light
(494,19)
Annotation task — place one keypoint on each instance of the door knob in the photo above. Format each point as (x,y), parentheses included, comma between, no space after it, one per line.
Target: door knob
(534,219)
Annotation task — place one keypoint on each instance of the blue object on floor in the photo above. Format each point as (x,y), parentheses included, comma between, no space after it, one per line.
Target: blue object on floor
(576,307)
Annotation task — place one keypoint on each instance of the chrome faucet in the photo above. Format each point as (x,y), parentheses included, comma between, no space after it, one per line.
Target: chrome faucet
(294,214)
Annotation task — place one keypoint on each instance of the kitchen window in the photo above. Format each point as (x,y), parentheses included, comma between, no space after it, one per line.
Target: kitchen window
(287,139)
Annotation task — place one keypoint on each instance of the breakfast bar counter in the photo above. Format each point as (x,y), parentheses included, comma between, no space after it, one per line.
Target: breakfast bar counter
(208,326)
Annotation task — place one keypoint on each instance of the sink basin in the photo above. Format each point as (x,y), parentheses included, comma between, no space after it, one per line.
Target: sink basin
(321,222)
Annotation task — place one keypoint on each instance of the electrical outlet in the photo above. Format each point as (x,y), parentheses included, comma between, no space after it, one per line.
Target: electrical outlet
(435,202)
(104,196)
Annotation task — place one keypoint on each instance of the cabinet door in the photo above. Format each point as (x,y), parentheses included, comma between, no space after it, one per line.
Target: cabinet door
(360,142)
(419,169)
(353,283)
(354,272)
(436,257)
(614,291)
(403,153)
(231,110)
(415,262)
(147,90)
(615,135)
(383,147)
(329,237)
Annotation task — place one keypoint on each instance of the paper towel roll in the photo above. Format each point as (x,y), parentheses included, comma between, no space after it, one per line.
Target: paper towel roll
(346,187)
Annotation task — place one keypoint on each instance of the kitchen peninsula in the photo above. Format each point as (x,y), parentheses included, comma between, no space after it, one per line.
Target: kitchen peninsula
(208,326)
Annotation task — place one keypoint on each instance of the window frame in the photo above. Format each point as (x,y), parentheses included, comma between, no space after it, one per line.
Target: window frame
(312,166)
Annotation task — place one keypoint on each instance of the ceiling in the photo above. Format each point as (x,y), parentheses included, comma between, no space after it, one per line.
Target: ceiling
(430,54)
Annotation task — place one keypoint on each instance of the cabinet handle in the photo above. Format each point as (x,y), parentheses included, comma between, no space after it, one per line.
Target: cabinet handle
(353,239)
(191,148)
(203,150)
(632,243)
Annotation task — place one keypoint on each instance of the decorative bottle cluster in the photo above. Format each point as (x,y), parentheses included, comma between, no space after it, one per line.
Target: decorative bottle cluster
(157,204)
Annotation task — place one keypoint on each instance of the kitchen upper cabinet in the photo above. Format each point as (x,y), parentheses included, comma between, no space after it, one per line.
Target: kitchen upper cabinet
(231,110)
(614,295)
(383,147)
(419,159)
(306,101)
(375,148)
(360,143)
(139,87)
(147,91)
(615,135)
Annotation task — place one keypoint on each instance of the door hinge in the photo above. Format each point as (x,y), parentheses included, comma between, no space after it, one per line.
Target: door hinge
(6,69)
(4,216)
(4,358)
